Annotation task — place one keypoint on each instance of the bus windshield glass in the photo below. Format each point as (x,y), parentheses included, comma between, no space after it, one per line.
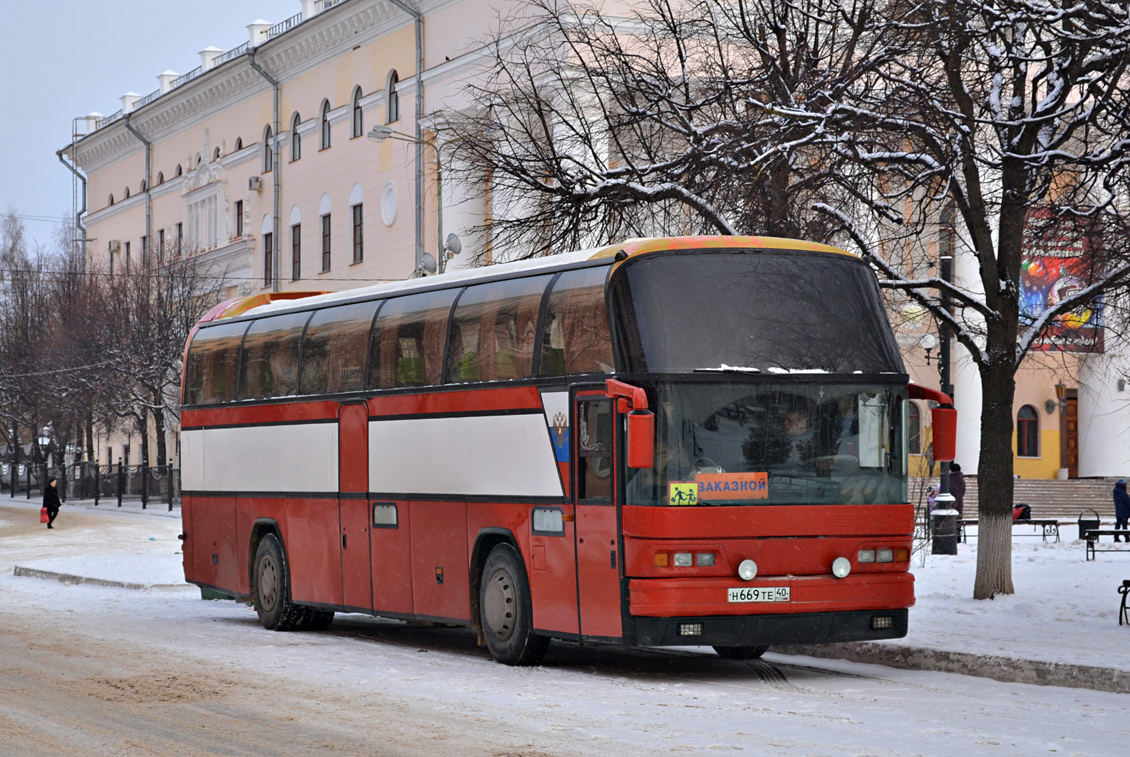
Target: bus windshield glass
(745,443)
(751,311)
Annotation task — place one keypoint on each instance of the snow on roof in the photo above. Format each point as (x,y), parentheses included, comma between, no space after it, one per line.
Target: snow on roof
(465,276)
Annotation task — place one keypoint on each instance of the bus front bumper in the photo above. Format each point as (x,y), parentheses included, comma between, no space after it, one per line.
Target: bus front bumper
(767,630)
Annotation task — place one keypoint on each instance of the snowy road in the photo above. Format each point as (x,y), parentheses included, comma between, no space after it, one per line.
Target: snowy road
(97,670)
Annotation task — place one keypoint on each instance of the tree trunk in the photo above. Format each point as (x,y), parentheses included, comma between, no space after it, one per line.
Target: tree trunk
(994,480)
(88,426)
(143,429)
(159,425)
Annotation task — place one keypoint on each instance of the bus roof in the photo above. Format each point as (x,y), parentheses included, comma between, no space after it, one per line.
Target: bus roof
(271,302)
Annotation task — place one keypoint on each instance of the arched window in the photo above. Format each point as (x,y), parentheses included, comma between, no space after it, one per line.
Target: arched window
(111,202)
(914,429)
(238,144)
(126,193)
(180,171)
(196,161)
(358,115)
(325,125)
(160,178)
(216,154)
(268,150)
(295,138)
(392,109)
(1027,432)
(144,185)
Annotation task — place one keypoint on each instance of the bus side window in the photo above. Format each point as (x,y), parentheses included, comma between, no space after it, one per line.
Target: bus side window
(333,350)
(270,357)
(494,330)
(576,337)
(594,450)
(213,364)
(408,340)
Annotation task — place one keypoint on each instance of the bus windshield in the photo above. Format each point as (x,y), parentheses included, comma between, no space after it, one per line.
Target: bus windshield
(751,310)
(744,443)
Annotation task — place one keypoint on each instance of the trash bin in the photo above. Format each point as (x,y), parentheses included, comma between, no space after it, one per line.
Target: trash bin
(943,522)
(1088,522)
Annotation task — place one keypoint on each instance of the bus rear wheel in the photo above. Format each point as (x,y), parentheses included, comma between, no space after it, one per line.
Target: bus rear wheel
(740,653)
(504,607)
(272,587)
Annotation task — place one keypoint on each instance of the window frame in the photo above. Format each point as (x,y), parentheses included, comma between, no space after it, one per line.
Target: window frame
(326,140)
(1030,425)
(358,114)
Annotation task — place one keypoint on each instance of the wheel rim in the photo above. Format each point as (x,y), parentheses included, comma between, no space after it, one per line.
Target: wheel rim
(500,605)
(268,583)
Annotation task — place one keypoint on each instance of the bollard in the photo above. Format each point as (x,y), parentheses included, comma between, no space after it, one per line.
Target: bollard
(169,481)
(121,481)
(943,523)
(97,482)
(144,485)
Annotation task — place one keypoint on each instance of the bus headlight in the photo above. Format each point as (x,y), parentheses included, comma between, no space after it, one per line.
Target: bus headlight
(841,566)
(747,570)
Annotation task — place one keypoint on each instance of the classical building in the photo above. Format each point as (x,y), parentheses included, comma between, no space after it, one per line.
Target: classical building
(259,163)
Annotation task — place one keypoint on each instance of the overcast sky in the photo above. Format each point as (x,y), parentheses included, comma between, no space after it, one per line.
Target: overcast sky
(65,58)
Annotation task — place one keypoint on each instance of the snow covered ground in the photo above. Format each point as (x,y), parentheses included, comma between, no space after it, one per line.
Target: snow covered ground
(1065,609)
(444,689)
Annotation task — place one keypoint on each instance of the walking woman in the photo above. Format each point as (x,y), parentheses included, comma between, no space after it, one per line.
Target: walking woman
(51,501)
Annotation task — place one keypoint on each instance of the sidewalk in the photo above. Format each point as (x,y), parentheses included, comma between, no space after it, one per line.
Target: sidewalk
(1059,628)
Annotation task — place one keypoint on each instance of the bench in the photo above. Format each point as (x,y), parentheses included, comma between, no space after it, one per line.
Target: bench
(1048,527)
(1091,538)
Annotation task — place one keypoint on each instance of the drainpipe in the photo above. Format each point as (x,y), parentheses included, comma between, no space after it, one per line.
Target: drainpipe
(148,183)
(81,211)
(419,23)
(276,171)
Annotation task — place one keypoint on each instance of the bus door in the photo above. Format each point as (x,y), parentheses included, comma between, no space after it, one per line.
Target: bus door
(598,553)
(353,505)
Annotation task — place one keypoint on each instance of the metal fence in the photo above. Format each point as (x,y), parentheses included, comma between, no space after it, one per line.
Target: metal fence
(105,484)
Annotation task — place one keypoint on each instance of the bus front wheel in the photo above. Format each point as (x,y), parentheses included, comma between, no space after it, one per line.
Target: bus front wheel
(740,653)
(504,604)
(272,587)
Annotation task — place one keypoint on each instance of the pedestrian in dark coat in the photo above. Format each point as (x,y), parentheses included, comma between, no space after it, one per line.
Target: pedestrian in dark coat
(957,489)
(1121,507)
(51,501)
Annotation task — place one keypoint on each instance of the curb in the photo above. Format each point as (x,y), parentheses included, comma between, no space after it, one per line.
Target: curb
(69,579)
(997,668)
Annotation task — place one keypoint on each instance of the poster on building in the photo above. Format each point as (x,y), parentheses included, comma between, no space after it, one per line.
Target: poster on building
(1058,259)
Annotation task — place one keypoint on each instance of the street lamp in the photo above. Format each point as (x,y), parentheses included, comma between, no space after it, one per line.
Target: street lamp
(451,243)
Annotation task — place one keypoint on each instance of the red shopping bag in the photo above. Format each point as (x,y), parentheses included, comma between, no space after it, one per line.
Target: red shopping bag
(43,515)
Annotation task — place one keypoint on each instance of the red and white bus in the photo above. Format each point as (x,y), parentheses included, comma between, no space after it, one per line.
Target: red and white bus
(688,441)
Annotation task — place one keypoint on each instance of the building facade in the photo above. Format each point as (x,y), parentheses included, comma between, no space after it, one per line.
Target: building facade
(259,164)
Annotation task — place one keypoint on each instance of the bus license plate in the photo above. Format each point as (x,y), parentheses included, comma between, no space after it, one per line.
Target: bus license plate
(758,594)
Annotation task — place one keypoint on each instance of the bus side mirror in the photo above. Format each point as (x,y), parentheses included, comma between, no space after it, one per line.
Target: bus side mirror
(641,439)
(944,420)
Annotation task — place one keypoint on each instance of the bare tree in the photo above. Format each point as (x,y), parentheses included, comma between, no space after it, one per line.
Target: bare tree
(25,326)
(988,125)
(1013,113)
(154,307)
(676,119)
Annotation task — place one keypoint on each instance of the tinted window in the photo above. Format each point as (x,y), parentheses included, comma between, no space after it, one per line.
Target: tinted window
(576,338)
(333,350)
(213,362)
(408,340)
(494,330)
(270,360)
(768,311)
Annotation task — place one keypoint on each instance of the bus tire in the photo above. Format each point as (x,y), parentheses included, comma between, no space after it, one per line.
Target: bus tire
(740,653)
(272,587)
(504,607)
